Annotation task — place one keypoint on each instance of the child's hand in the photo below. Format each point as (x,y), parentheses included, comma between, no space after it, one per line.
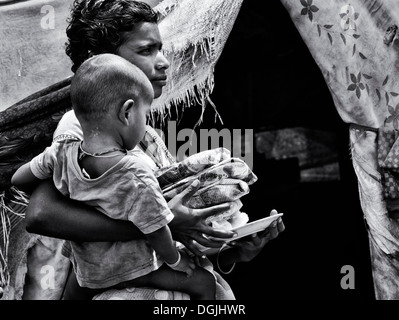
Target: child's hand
(184,264)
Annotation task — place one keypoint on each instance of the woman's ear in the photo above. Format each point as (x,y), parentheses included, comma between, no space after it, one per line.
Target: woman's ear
(125,111)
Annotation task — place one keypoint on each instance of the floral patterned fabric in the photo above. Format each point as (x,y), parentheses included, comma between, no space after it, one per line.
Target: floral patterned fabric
(388,161)
(355,45)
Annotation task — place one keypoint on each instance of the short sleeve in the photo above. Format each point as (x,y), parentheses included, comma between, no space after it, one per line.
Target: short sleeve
(150,210)
(42,166)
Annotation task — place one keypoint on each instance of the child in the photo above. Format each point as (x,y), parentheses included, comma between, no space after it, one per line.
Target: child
(111,99)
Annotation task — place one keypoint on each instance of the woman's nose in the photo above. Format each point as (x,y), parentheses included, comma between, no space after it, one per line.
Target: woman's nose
(162,62)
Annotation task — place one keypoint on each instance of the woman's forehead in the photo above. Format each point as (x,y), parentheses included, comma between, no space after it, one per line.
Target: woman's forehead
(144,33)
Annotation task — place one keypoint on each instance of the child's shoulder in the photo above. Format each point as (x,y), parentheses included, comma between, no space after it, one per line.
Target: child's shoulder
(67,140)
(66,143)
(61,146)
(138,165)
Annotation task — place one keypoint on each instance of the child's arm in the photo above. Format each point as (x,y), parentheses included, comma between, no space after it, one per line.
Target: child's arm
(24,179)
(161,241)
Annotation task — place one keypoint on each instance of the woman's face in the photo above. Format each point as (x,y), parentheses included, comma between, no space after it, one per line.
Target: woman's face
(142,47)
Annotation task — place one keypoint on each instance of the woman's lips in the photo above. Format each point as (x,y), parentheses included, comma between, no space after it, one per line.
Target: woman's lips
(160,81)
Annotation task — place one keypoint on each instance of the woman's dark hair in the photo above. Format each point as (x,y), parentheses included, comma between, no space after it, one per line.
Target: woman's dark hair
(97,26)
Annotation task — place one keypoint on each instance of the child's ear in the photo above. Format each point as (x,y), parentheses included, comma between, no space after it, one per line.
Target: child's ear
(124,112)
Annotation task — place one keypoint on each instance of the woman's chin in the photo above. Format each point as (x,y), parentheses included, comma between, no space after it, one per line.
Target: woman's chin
(157,92)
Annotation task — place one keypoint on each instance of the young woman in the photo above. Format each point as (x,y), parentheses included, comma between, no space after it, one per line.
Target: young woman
(128,29)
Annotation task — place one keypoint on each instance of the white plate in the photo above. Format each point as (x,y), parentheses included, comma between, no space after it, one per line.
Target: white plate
(254,226)
(243,231)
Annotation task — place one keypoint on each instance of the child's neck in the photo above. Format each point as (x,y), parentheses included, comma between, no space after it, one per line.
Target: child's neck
(98,154)
(100,143)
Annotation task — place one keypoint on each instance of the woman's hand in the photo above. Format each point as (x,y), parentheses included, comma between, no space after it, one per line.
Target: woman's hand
(189,224)
(246,250)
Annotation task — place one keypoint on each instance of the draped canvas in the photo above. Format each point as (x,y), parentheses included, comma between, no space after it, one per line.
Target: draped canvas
(194,35)
(355,45)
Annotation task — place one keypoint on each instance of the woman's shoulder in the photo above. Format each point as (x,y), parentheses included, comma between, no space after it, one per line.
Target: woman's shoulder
(68,128)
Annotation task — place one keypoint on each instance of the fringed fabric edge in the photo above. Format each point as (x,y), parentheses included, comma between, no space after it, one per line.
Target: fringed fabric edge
(193,60)
(13,203)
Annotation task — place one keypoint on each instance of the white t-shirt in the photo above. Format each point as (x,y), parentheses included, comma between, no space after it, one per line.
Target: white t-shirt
(127,191)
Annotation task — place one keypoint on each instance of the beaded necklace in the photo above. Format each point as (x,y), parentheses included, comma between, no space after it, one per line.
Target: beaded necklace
(104,154)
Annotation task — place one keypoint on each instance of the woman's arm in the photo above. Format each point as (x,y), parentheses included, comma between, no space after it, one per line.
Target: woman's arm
(51,214)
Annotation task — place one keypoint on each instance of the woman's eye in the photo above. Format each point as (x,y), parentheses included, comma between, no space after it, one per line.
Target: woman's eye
(146,51)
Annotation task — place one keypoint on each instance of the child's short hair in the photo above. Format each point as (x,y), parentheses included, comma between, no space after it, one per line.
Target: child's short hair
(105,81)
